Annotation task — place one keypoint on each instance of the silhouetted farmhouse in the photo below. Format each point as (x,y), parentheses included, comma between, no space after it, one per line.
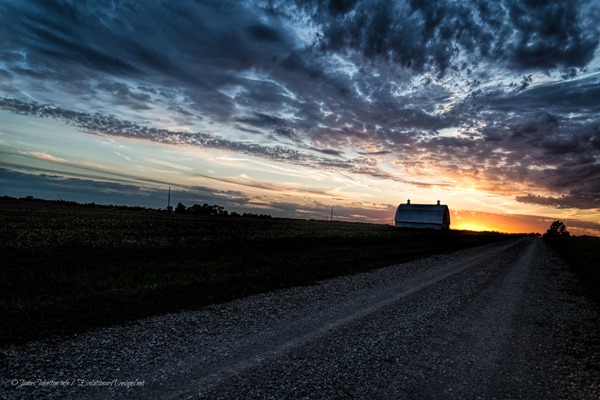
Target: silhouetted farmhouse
(432,216)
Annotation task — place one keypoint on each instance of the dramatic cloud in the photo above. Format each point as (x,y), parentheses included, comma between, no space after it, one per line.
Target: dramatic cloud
(109,125)
(78,189)
(426,35)
(571,200)
(501,97)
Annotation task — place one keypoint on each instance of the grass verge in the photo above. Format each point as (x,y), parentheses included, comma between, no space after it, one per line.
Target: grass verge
(582,254)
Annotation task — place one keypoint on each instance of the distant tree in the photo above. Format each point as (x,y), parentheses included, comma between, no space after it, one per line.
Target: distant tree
(253,215)
(198,209)
(206,209)
(557,229)
(180,208)
(219,210)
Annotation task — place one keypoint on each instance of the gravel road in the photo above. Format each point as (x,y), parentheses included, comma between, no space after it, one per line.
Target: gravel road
(501,321)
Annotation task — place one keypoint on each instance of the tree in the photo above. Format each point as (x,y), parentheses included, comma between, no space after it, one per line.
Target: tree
(180,208)
(557,229)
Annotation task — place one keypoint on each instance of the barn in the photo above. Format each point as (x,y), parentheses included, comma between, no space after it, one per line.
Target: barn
(431,216)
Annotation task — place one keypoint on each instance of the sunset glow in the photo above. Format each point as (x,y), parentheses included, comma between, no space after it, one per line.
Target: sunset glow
(291,108)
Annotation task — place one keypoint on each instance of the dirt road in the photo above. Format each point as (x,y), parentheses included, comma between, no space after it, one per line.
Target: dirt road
(499,321)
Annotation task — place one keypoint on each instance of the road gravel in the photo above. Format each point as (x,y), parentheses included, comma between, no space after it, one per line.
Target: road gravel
(501,321)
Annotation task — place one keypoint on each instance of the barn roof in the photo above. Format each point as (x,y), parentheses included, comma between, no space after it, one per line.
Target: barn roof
(423,214)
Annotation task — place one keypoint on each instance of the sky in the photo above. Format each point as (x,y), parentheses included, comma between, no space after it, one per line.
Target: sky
(290,107)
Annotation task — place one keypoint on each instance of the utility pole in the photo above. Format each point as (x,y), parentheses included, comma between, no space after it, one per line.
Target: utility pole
(331,219)
(169,208)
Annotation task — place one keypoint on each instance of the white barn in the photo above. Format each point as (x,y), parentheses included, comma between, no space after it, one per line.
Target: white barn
(431,216)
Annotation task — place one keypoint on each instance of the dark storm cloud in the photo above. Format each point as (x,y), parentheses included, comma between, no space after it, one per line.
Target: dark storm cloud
(127,96)
(86,190)
(582,224)
(374,153)
(277,125)
(83,171)
(330,152)
(571,200)
(425,35)
(547,135)
(534,149)
(74,44)
(574,96)
(196,47)
(551,34)
(313,81)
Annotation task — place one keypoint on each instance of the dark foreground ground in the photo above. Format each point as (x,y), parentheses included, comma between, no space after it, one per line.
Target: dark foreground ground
(68,268)
(506,320)
(582,254)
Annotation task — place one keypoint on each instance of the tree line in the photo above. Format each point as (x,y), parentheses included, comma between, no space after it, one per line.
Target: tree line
(215,210)
(196,209)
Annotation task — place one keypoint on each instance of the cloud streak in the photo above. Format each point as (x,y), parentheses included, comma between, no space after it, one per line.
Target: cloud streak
(109,125)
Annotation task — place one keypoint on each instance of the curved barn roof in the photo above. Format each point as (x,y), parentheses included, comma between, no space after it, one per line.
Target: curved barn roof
(423,214)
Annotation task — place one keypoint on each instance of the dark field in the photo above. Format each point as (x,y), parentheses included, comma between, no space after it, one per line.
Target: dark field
(582,253)
(67,268)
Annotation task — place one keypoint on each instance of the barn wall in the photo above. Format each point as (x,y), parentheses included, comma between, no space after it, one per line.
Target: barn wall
(422,216)
(400,224)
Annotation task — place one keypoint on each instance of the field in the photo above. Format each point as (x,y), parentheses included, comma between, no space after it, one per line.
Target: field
(67,268)
(583,255)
